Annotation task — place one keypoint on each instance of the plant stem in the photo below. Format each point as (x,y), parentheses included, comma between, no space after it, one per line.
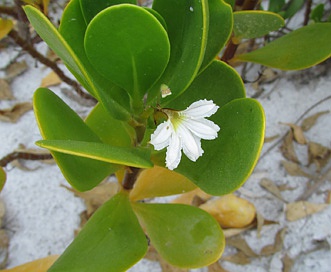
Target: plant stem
(130,177)
(307,12)
(35,54)
(23,155)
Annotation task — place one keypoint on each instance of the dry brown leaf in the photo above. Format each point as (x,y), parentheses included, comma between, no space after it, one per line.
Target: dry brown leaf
(241,244)
(287,263)
(238,258)
(233,232)
(52,79)
(14,113)
(4,248)
(216,267)
(294,169)
(276,246)
(230,211)
(271,138)
(5,91)
(153,255)
(287,148)
(285,187)
(301,209)
(97,196)
(40,265)
(310,121)
(15,69)
(318,154)
(270,186)
(298,134)
(268,76)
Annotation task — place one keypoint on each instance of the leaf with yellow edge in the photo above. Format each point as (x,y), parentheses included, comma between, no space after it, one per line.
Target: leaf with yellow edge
(40,265)
(159,181)
(2,178)
(6,26)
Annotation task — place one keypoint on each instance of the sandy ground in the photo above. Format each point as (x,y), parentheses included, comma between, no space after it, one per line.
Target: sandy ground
(41,216)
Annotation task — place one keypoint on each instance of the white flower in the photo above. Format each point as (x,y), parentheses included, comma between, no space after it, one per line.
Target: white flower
(184,130)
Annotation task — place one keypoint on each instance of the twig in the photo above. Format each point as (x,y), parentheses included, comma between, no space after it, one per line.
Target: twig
(11,11)
(307,12)
(35,54)
(296,122)
(23,155)
(130,177)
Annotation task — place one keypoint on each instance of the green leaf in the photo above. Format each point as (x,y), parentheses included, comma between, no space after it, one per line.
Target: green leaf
(112,240)
(296,50)
(254,24)
(292,7)
(110,130)
(130,156)
(317,13)
(57,121)
(73,28)
(119,46)
(220,29)
(2,178)
(184,236)
(187,23)
(91,8)
(55,41)
(276,5)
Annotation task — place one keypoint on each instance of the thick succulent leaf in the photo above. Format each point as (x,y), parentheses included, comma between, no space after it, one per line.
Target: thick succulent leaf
(296,50)
(6,26)
(2,178)
(159,181)
(72,29)
(253,24)
(187,23)
(56,42)
(229,160)
(119,46)
(129,156)
(184,236)
(220,29)
(110,131)
(112,240)
(58,122)
(91,8)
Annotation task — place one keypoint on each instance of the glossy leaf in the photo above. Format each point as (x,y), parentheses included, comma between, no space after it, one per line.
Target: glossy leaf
(2,178)
(91,8)
(219,31)
(254,24)
(276,5)
(119,47)
(136,157)
(57,121)
(184,236)
(187,24)
(72,29)
(159,181)
(112,240)
(40,265)
(6,26)
(296,50)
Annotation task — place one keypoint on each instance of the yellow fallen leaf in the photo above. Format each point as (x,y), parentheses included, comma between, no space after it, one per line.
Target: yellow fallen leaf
(2,178)
(52,79)
(40,265)
(230,211)
(6,26)
(301,209)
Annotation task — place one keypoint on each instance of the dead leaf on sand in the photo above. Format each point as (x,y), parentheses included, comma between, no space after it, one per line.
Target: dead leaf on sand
(238,258)
(298,134)
(5,91)
(318,154)
(287,263)
(301,209)
(40,265)
(216,267)
(241,244)
(14,113)
(52,79)
(15,69)
(295,169)
(271,138)
(276,246)
(287,148)
(310,121)
(270,186)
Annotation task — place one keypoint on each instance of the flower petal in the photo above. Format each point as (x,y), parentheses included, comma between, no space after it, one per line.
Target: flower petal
(161,136)
(174,152)
(191,144)
(203,128)
(200,109)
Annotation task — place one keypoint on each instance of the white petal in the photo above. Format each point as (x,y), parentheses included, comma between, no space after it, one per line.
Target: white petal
(200,109)
(202,128)
(191,144)
(174,152)
(161,136)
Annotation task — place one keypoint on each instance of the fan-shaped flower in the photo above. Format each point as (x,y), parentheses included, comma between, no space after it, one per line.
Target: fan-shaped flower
(184,130)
